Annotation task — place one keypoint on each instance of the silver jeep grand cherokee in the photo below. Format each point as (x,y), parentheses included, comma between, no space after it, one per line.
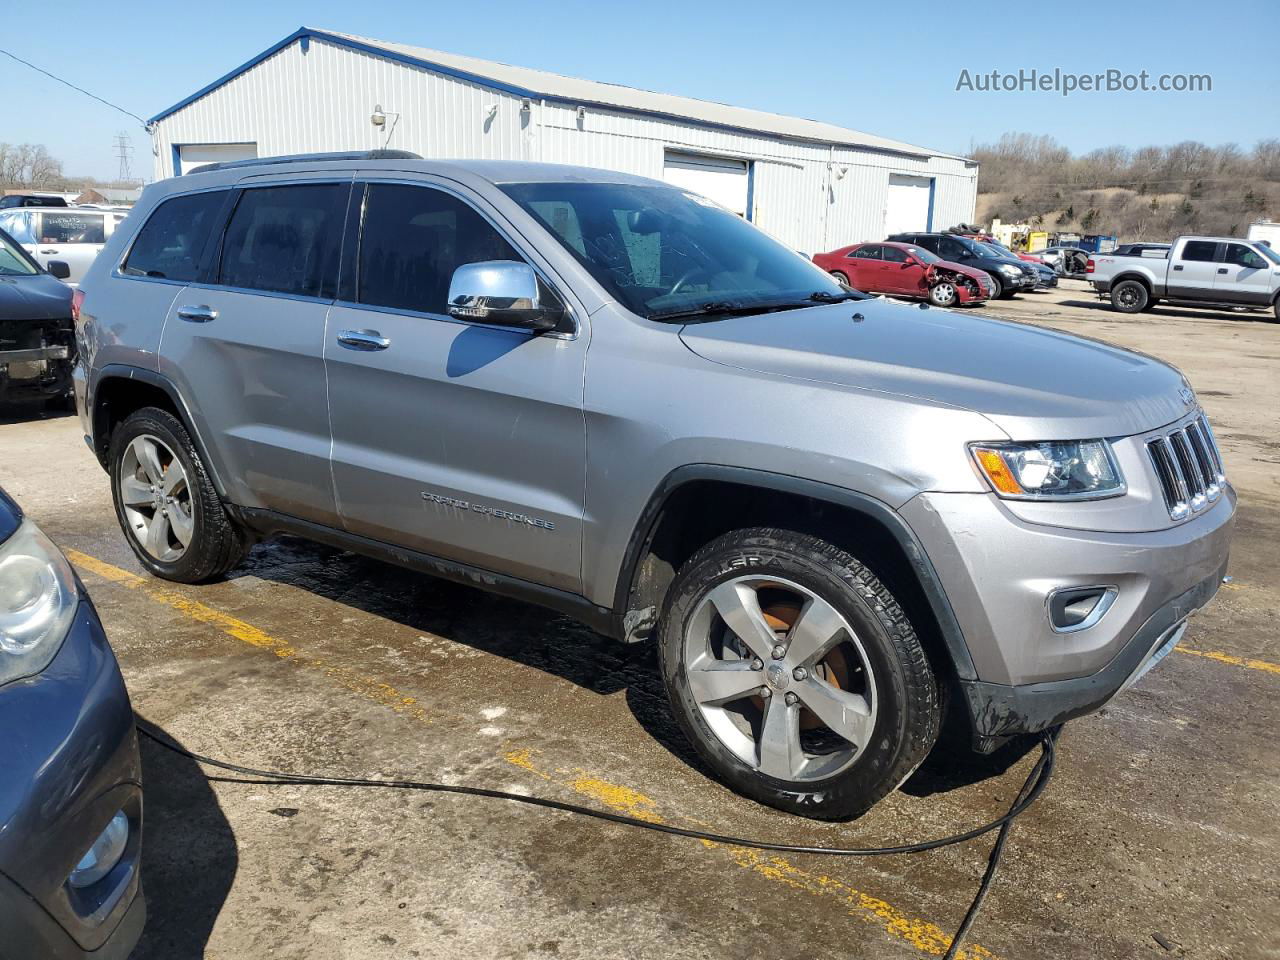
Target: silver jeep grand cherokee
(833,514)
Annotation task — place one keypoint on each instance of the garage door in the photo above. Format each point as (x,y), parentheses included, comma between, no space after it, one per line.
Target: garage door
(192,155)
(725,181)
(908,206)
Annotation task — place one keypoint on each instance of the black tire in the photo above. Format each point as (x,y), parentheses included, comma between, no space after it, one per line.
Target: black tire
(840,277)
(906,691)
(217,544)
(997,287)
(945,293)
(1130,296)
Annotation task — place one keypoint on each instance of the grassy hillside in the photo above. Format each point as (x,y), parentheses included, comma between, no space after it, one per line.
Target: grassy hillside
(1151,193)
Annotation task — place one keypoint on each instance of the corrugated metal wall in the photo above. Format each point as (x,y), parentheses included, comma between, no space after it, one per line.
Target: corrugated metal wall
(810,196)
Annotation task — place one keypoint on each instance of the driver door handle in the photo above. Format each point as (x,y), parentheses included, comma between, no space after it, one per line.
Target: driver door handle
(363,340)
(197,314)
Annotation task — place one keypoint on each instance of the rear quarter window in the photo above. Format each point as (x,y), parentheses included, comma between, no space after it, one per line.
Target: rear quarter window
(172,241)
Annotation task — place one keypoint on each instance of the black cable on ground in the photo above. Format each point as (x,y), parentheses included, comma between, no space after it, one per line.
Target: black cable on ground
(1034,785)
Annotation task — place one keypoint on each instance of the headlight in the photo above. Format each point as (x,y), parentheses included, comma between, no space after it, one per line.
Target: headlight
(37,602)
(1053,470)
(1009,270)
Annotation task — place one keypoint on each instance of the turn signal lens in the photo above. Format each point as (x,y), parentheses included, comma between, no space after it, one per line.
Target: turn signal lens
(997,471)
(1050,470)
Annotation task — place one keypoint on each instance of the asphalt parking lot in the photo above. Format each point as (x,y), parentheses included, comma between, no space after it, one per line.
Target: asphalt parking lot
(1158,837)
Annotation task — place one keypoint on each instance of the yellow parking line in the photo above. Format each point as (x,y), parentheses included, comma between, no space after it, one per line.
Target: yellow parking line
(368,687)
(1232,659)
(924,936)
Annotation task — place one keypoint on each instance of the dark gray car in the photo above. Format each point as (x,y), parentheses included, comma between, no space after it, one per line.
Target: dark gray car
(832,514)
(70,779)
(36,336)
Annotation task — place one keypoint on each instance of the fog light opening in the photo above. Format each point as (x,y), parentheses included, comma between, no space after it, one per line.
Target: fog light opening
(105,853)
(1078,608)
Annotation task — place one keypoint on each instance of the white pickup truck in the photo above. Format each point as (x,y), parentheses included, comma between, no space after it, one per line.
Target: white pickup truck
(1201,271)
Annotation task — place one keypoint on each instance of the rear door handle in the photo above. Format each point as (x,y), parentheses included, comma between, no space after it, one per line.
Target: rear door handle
(363,340)
(1177,266)
(1222,269)
(198,314)
(49,251)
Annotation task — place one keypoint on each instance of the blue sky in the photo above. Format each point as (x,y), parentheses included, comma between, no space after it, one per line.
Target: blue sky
(887,68)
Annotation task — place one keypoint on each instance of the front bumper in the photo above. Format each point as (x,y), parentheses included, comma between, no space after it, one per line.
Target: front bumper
(998,571)
(70,762)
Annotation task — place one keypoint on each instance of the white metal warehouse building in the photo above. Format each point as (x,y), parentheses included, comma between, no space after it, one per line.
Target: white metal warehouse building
(812,185)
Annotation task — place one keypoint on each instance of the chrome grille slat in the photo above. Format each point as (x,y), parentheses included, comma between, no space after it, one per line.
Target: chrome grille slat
(1188,466)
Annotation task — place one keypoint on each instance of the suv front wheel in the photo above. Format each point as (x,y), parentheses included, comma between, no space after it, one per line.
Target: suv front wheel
(796,674)
(166,503)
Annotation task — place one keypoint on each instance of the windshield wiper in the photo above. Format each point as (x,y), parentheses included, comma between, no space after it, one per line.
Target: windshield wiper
(822,296)
(723,307)
(729,309)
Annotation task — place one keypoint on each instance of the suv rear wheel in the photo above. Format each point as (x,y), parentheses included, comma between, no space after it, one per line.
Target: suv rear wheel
(795,673)
(165,502)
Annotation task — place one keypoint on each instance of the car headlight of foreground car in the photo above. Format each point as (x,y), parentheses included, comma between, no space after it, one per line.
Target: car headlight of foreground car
(38,600)
(1050,470)
(1009,270)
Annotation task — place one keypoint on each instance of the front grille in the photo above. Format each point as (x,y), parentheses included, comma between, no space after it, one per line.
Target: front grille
(1189,467)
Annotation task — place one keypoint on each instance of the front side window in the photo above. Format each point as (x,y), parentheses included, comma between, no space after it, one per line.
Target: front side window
(894,255)
(171,242)
(286,239)
(662,251)
(950,249)
(1201,251)
(414,238)
(1243,256)
(57,226)
(14,261)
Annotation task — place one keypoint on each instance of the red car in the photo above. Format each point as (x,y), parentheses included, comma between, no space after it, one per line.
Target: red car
(905,270)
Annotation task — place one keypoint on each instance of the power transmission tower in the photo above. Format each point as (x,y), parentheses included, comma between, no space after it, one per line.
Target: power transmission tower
(124,148)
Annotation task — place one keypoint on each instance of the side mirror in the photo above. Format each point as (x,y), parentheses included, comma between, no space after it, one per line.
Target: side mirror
(59,269)
(503,292)
(909,262)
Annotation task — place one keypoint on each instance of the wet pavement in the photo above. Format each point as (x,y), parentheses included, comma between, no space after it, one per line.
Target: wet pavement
(1162,825)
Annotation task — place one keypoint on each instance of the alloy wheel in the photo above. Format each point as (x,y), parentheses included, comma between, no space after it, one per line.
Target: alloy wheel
(156,497)
(781,678)
(944,294)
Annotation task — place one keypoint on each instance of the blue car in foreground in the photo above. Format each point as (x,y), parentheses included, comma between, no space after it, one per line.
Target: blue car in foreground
(70,777)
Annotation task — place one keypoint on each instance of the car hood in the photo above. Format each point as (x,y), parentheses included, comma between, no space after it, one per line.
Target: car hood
(40,297)
(1034,384)
(960,268)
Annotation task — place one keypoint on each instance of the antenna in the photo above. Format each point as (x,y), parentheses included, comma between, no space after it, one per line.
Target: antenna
(124,149)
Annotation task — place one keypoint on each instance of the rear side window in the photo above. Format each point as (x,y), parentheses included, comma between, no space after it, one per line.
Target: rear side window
(1200,250)
(59,227)
(413,240)
(870,251)
(170,243)
(286,240)
(18,226)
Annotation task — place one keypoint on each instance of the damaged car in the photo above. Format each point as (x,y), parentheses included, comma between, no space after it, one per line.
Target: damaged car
(37,336)
(905,270)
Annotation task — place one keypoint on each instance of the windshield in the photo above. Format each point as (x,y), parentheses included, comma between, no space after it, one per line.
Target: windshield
(923,255)
(661,251)
(14,261)
(1267,252)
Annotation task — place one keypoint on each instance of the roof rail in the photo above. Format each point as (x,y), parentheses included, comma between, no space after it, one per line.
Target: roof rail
(309,157)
